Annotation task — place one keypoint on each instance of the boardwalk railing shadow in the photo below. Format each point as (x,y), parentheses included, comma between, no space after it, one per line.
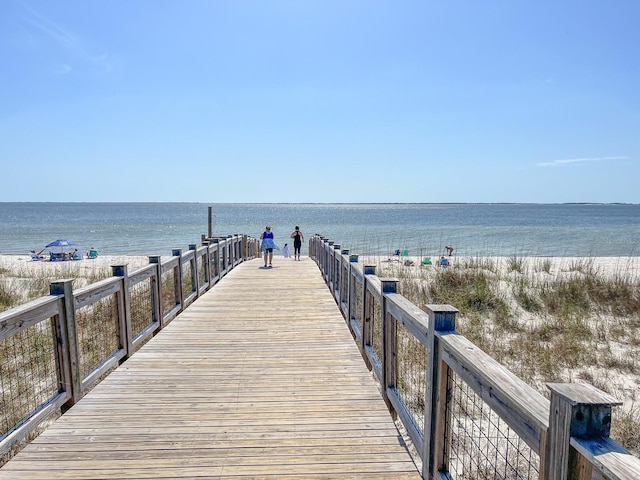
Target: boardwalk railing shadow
(54,349)
(466,414)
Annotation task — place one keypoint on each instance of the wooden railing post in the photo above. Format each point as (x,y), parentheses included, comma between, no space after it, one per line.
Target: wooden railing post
(156,291)
(321,256)
(224,255)
(344,283)
(68,343)
(367,313)
(177,278)
(330,265)
(389,344)
(352,298)
(124,311)
(206,263)
(435,455)
(195,281)
(336,272)
(245,247)
(325,260)
(576,410)
(230,249)
(216,258)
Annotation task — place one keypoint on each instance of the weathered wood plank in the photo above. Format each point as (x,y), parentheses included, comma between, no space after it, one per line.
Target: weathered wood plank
(259,378)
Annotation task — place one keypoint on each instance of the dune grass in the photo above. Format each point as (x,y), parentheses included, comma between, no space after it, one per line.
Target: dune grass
(21,284)
(545,324)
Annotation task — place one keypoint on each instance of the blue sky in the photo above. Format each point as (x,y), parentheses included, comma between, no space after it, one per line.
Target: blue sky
(320,101)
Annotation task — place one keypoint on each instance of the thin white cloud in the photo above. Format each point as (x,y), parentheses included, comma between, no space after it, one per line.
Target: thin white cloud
(66,40)
(49,28)
(578,161)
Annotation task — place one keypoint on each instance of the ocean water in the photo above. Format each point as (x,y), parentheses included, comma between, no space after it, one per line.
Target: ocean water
(366,229)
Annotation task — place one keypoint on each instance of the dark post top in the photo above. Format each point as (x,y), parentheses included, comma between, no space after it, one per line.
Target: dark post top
(389,285)
(590,408)
(119,270)
(57,286)
(369,270)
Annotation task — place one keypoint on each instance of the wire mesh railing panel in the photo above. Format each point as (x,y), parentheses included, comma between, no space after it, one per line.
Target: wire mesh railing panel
(98,331)
(376,330)
(412,373)
(168,291)
(141,306)
(213,267)
(482,444)
(201,261)
(28,376)
(187,280)
(356,304)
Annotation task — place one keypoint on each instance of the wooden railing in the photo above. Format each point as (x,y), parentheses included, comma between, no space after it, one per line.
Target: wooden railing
(466,415)
(55,348)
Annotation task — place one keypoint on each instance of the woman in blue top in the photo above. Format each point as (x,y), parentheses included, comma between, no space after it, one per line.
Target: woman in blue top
(267,245)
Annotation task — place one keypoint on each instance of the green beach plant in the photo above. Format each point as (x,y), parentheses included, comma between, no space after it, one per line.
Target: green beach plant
(550,328)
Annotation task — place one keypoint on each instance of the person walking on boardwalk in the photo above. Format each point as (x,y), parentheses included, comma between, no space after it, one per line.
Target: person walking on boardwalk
(267,245)
(298,238)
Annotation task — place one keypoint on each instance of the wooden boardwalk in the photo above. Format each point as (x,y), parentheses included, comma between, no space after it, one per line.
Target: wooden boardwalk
(259,378)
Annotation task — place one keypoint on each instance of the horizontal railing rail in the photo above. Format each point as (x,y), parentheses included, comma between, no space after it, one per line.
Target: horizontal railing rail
(466,414)
(54,349)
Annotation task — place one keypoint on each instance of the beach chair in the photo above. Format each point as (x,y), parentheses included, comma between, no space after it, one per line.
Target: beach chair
(56,256)
(426,261)
(35,257)
(92,254)
(77,256)
(405,253)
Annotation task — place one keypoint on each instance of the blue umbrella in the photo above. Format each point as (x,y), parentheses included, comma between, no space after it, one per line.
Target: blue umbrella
(60,243)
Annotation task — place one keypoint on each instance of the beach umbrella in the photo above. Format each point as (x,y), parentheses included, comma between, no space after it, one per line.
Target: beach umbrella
(60,243)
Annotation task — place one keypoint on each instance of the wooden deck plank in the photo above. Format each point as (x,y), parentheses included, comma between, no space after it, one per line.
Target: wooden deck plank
(259,378)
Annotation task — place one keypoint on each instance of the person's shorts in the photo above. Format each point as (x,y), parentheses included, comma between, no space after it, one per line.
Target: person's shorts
(268,250)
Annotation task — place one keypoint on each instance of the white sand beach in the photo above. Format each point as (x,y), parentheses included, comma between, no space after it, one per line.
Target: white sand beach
(23,264)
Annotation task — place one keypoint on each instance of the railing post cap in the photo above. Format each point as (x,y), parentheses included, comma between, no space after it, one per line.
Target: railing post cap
(344,251)
(441,308)
(353,258)
(389,285)
(154,258)
(590,408)
(369,270)
(56,287)
(192,246)
(119,270)
(176,252)
(582,394)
